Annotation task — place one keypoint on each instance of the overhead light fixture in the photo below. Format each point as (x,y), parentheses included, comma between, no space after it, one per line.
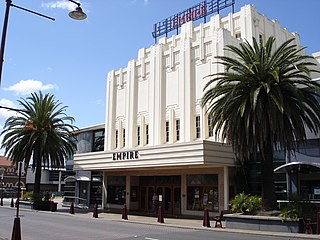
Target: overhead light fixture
(78,13)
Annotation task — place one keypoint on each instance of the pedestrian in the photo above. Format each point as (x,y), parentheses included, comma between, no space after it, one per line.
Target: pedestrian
(155,202)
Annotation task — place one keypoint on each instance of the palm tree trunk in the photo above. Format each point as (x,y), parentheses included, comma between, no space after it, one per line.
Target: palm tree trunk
(269,200)
(37,178)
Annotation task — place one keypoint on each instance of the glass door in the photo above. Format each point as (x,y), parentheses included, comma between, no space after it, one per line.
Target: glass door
(176,200)
(149,197)
(166,199)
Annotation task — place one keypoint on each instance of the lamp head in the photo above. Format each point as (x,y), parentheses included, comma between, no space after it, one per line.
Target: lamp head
(78,14)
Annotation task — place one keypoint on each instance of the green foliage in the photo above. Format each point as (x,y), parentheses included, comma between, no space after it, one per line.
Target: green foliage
(41,135)
(264,100)
(246,204)
(47,197)
(296,208)
(31,196)
(289,212)
(27,196)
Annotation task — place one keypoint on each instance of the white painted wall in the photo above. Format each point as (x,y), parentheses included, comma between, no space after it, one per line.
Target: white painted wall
(166,80)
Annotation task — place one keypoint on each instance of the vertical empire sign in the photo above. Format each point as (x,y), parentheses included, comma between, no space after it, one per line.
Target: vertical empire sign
(201,10)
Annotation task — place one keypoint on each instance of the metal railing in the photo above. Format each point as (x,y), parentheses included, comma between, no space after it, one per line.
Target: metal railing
(77,201)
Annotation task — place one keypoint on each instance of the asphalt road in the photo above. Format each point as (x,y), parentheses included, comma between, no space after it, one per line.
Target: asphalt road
(52,226)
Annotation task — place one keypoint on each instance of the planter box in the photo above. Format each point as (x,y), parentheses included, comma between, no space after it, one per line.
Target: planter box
(45,206)
(262,223)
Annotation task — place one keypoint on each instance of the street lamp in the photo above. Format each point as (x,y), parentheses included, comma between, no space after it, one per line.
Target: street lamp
(77,14)
(2,170)
(16,231)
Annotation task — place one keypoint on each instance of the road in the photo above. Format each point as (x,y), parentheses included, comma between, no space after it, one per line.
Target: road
(52,226)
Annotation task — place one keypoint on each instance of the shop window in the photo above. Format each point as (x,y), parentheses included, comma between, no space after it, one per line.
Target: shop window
(167,131)
(178,129)
(198,129)
(210,125)
(202,192)
(116,189)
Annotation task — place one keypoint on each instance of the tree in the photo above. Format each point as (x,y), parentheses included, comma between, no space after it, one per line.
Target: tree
(264,101)
(41,135)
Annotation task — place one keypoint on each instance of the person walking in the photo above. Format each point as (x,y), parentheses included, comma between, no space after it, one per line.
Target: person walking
(155,202)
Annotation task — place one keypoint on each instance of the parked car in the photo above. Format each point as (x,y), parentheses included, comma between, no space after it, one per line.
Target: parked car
(9,193)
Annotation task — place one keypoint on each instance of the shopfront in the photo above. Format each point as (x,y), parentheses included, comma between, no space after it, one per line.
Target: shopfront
(187,178)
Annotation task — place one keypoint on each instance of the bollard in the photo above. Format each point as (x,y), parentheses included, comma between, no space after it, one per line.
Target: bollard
(160,215)
(95,211)
(12,203)
(124,212)
(71,208)
(206,220)
(52,206)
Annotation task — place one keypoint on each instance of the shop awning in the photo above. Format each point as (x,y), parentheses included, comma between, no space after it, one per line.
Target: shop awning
(303,167)
(78,179)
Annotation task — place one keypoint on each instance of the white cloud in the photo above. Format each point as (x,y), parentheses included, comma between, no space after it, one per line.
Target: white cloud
(4,113)
(63,4)
(25,87)
(146,2)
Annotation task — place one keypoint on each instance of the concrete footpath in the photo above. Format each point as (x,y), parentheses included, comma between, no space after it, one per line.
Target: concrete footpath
(168,222)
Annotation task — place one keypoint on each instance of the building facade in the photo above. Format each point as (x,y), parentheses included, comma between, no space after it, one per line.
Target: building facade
(158,138)
(10,179)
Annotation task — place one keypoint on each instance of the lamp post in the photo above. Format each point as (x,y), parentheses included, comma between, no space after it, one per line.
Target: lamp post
(16,231)
(2,170)
(77,14)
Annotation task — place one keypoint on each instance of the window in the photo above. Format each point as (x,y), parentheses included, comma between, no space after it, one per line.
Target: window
(210,125)
(124,138)
(117,137)
(98,141)
(138,135)
(198,130)
(147,134)
(261,38)
(167,131)
(202,192)
(178,129)
(116,189)
(238,35)
(96,188)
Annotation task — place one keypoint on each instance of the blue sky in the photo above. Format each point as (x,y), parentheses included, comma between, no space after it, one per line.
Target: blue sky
(71,59)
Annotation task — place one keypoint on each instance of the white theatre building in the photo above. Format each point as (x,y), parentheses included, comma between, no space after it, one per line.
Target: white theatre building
(157,136)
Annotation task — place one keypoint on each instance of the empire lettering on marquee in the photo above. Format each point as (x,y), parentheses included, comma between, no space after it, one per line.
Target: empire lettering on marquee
(125,155)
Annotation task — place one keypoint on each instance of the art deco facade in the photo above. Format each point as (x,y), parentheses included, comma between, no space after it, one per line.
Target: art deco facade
(157,136)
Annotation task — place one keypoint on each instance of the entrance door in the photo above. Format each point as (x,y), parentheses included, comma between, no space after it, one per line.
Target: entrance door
(165,198)
(169,199)
(177,200)
(167,189)
(83,193)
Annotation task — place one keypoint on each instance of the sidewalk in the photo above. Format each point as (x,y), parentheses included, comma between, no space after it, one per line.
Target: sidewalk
(168,222)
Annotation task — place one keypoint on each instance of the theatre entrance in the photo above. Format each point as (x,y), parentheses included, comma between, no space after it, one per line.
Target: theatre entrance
(168,190)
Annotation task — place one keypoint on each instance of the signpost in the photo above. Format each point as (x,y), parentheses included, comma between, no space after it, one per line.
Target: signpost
(201,10)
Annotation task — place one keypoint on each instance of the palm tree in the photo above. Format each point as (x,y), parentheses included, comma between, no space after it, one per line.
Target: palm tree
(41,135)
(263,102)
